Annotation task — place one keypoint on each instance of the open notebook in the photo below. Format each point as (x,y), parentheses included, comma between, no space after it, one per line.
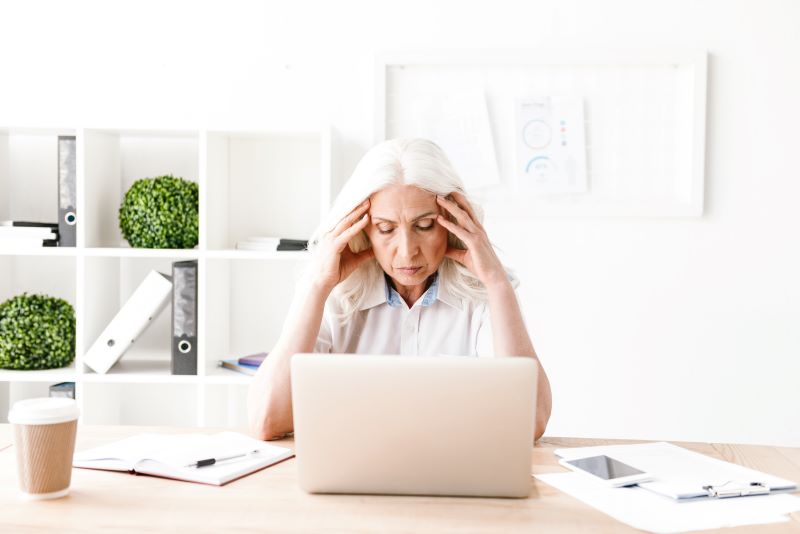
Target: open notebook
(168,456)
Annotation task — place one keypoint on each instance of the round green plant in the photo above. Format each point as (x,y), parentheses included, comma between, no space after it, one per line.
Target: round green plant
(160,212)
(36,332)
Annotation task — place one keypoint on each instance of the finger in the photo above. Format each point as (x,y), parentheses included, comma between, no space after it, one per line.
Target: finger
(459,232)
(351,218)
(344,238)
(461,216)
(466,205)
(457,254)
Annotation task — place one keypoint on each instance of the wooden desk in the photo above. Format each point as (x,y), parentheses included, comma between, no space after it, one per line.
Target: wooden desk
(270,501)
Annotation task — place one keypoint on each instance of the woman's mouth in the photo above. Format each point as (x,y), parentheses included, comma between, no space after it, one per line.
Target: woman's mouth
(408,270)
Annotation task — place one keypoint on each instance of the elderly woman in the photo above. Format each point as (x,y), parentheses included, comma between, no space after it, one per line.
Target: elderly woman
(401,266)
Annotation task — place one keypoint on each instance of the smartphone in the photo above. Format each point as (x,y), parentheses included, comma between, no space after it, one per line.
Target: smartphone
(607,470)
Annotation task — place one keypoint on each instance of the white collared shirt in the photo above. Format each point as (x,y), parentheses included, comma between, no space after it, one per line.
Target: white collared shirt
(437,324)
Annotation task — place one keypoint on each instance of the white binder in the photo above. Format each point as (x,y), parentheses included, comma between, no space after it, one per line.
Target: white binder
(133,318)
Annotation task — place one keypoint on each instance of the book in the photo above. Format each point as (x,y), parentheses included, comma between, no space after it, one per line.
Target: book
(138,312)
(174,456)
(11,243)
(63,389)
(271,243)
(234,365)
(293,244)
(17,232)
(30,224)
(258,243)
(253,359)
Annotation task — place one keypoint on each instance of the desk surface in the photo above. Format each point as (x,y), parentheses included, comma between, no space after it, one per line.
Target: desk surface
(270,500)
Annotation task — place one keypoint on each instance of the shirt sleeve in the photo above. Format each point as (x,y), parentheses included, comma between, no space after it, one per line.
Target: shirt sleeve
(484,346)
(324,342)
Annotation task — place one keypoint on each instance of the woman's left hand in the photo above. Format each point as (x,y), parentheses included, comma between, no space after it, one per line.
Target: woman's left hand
(479,257)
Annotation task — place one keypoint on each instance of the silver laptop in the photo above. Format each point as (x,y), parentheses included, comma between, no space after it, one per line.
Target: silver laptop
(414,425)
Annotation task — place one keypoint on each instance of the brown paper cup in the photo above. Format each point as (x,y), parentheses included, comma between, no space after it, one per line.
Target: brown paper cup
(44,437)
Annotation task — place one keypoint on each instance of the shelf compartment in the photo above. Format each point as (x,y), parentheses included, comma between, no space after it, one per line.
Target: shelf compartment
(264,184)
(246,305)
(29,173)
(108,283)
(114,160)
(129,403)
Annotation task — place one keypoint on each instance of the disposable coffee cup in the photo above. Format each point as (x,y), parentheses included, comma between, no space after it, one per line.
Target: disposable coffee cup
(44,437)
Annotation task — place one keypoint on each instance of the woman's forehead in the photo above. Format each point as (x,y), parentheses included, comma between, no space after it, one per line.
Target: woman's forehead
(401,198)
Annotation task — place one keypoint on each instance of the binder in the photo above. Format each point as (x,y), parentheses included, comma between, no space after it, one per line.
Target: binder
(133,318)
(682,474)
(67,215)
(184,318)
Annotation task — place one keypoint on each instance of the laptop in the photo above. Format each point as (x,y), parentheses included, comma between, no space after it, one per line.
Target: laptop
(401,425)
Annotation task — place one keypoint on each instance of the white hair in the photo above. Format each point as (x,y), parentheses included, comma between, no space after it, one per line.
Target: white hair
(402,161)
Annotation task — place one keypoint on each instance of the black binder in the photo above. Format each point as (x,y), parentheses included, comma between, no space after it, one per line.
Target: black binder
(67,216)
(184,317)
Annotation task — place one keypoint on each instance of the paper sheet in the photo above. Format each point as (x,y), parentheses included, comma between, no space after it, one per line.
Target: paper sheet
(459,124)
(678,472)
(649,511)
(551,145)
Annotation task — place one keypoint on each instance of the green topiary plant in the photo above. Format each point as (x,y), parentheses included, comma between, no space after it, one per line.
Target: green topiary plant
(36,332)
(160,212)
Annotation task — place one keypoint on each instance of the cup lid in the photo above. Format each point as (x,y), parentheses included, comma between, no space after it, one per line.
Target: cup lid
(43,411)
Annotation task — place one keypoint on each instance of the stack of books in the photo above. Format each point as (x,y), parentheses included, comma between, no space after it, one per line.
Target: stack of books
(25,234)
(271,243)
(246,364)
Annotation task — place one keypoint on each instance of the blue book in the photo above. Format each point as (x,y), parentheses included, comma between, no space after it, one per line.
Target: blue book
(234,365)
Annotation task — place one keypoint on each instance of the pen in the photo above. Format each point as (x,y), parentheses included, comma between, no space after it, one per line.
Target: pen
(212,461)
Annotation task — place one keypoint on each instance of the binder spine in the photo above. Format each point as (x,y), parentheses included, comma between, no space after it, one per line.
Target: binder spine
(184,318)
(67,215)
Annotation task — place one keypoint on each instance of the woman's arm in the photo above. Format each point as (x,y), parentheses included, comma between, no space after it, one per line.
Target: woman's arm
(269,400)
(510,337)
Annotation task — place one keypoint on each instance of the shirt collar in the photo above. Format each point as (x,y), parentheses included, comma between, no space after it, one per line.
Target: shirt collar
(382,292)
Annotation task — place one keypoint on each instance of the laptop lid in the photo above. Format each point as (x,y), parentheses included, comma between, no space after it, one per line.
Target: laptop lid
(414,425)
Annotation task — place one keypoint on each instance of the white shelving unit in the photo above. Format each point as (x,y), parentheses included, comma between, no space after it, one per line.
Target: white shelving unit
(251,183)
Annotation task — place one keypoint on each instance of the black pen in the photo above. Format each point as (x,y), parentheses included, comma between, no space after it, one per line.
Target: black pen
(212,461)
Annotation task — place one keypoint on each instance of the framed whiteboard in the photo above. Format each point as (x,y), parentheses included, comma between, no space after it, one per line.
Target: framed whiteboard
(644,114)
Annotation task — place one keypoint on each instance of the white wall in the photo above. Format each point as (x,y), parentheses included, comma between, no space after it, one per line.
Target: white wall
(676,329)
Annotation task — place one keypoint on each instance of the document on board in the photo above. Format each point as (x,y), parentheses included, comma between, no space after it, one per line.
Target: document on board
(551,145)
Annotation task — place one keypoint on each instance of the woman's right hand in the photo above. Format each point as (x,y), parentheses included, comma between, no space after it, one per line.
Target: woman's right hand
(334,261)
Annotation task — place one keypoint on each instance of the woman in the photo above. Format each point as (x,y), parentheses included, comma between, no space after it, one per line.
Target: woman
(402,265)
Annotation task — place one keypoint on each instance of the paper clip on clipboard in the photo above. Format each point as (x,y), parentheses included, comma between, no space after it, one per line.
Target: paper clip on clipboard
(732,489)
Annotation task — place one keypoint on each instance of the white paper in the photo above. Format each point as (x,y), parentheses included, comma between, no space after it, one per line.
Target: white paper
(551,145)
(649,511)
(459,124)
(678,472)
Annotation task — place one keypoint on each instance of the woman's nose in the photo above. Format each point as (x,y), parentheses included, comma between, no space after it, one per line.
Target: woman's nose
(408,246)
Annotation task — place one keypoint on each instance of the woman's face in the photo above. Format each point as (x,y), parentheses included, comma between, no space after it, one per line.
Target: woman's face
(408,242)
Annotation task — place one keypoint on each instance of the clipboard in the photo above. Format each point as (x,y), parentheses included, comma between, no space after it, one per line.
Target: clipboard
(686,475)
